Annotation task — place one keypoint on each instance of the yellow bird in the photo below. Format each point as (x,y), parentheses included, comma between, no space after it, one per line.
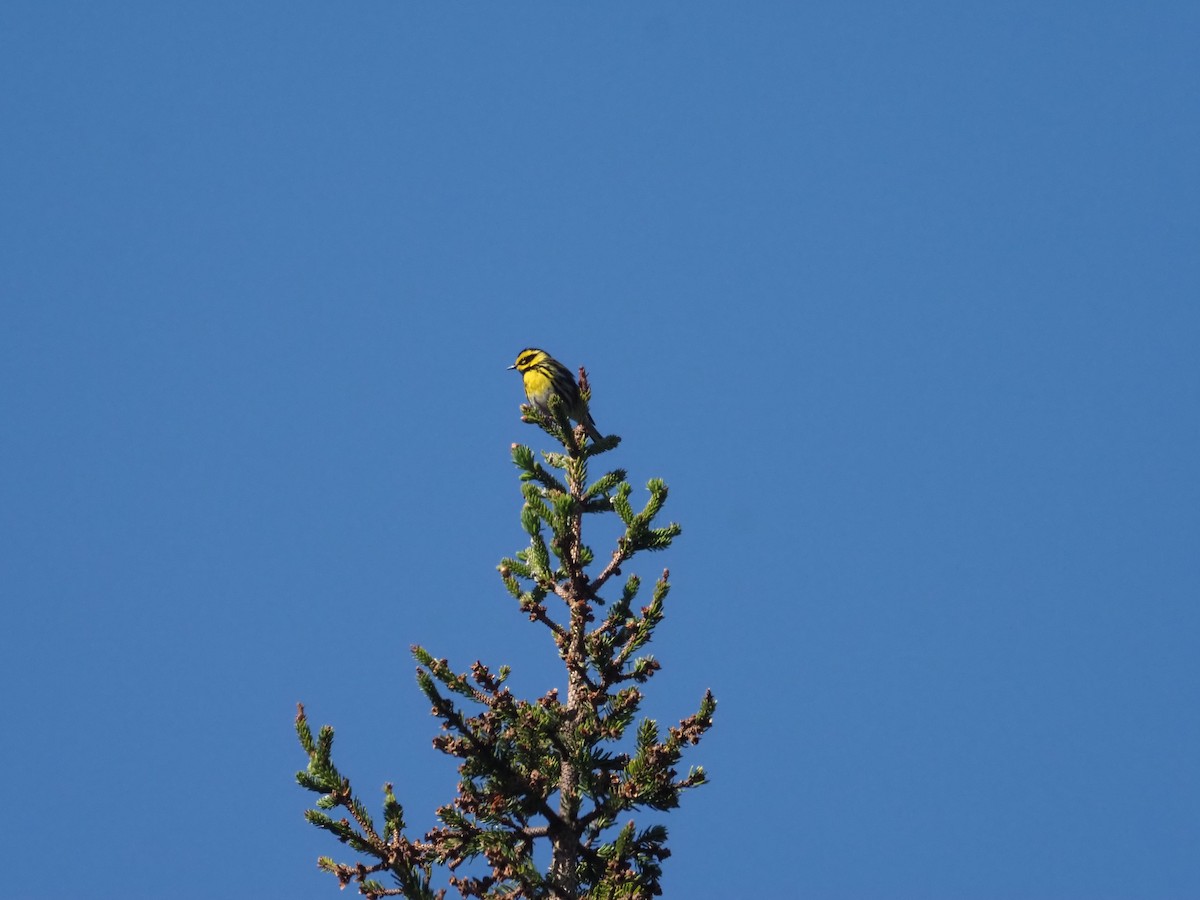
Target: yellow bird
(544,377)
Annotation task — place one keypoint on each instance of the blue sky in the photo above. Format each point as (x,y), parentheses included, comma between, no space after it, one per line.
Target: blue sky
(903,301)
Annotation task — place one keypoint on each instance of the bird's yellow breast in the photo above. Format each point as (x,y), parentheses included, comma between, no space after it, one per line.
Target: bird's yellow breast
(538,384)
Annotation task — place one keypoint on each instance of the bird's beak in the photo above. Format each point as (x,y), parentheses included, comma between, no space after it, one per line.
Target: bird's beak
(510,368)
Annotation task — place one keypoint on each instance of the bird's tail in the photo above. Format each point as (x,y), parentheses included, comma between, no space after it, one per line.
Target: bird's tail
(589,425)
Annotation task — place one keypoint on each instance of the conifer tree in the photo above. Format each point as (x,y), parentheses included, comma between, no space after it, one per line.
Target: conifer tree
(562,772)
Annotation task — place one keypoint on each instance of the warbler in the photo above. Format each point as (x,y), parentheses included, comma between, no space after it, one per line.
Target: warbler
(544,376)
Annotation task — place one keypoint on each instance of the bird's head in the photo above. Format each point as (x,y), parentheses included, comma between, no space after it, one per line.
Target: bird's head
(529,358)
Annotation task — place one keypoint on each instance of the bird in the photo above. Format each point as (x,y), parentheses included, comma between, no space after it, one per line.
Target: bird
(544,376)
